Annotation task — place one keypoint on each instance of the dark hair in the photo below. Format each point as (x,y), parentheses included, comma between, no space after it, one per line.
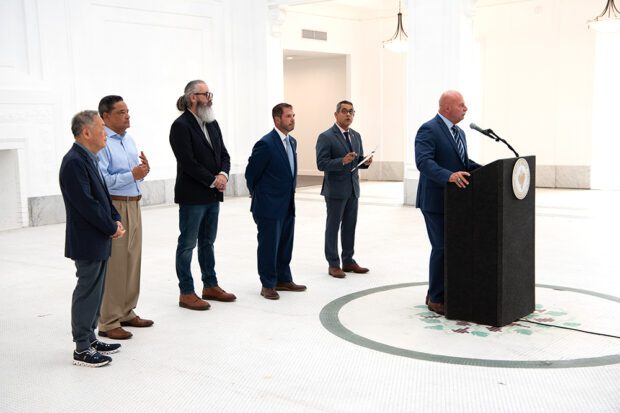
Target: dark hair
(342,102)
(183,101)
(107,103)
(278,109)
(81,120)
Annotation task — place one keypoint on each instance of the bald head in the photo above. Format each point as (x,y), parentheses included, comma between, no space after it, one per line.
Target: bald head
(452,106)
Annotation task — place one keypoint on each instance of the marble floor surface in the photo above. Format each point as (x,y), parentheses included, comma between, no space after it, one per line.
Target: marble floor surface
(385,353)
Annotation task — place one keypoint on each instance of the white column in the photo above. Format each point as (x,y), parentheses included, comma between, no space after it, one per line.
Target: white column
(442,56)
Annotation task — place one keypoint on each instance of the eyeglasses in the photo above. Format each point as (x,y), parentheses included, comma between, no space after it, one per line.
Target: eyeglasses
(208,95)
(345,111)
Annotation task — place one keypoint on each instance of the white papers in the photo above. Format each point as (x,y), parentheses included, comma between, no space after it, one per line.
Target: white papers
(370,155)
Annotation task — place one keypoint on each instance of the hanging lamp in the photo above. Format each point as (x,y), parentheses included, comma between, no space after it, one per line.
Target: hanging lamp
(398,42)
(608,21)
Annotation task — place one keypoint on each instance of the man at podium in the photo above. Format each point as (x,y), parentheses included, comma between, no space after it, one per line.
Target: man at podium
(441,157)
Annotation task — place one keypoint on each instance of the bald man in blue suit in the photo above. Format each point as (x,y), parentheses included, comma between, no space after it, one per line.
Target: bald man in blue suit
(442,159)
(271,176)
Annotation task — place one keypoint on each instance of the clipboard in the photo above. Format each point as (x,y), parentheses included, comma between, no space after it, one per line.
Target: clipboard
(370,155)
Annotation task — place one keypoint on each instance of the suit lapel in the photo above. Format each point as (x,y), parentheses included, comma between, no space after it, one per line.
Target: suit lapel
(340,138)
(191,119)
(92,168)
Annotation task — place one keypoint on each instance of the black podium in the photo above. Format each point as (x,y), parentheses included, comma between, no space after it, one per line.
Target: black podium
(489,245)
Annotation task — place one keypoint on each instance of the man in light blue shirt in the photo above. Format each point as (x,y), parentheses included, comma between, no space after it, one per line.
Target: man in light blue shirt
(123,168)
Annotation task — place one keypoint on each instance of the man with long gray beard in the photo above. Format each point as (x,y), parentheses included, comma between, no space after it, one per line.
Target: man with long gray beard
(203,165)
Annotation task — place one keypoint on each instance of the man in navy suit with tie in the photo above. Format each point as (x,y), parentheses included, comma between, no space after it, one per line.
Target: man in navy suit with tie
(92,224)
(441,157)
(338,152)
(271,176)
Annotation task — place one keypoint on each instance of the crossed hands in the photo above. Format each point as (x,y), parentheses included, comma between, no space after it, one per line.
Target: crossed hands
(120,231)
(220,182)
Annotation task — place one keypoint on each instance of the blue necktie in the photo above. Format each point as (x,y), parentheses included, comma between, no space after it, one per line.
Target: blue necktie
(459,143)
(289,152)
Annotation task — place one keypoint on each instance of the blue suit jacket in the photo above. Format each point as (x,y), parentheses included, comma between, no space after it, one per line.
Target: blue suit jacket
(91,217)
(338,180)
(269,179)
(436,157)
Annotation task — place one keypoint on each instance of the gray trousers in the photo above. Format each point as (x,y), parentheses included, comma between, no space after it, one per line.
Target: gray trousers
(86,301)
(341,216)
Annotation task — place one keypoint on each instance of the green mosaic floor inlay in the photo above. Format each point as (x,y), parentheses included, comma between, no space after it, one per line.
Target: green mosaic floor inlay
(557,316)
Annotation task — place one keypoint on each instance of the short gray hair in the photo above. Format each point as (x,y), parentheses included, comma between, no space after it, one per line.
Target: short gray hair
(183,102)
(81,120)
(342,102)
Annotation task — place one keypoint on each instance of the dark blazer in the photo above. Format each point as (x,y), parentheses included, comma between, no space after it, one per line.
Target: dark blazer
(338,180)
(91,217)
(436,157)
(268,177)
(197,162)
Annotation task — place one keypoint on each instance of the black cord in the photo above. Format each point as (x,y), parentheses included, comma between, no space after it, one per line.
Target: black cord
(569,328)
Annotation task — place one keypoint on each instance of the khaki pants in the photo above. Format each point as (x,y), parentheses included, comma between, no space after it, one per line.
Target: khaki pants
(122,281)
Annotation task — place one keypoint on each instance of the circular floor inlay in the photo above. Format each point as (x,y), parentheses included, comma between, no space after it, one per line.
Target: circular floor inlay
(393,319)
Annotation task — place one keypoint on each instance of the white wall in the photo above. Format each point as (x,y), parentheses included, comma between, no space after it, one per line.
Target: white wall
(58,57)
(376,81)
(314,106)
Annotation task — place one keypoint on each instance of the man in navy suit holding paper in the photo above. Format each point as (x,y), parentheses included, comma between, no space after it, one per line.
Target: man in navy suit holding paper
(442,159)
(339,151)
(92,224)
(271,176)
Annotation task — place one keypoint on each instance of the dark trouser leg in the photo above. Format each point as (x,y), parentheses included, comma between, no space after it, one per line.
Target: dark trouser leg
(347,231)
(434,228)
(268,237)
(335,209)
(86,301)
(206,238)
(285,250)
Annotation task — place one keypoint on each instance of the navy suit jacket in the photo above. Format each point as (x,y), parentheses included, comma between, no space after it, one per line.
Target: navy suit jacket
(91,217)
(338,180)
(437,157)
(197,162)
(269,179)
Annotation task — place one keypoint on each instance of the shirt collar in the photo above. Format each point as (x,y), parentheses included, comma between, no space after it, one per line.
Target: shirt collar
(446,121)
(110,133)
(92,156)
(282,136)
(341,130)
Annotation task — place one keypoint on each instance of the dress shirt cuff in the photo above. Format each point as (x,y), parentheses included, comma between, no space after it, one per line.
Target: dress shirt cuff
(225,174)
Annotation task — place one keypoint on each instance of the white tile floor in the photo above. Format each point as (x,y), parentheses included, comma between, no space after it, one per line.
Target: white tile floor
(256,355)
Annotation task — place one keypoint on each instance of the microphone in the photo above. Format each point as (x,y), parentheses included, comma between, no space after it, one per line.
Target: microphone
(486,132)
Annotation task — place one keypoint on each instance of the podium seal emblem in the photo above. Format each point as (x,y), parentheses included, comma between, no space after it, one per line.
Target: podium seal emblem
(521,178)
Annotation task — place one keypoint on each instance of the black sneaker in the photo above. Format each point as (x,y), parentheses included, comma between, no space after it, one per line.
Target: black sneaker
(105,348)
(90,358)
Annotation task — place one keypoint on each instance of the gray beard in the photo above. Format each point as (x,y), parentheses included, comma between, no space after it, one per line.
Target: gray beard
(205,113)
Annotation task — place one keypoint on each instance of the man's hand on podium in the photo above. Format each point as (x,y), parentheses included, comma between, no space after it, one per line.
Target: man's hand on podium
(459,178)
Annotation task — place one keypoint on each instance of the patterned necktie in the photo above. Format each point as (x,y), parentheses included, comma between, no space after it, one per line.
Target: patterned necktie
(459,143)
(289,152)
(346,136)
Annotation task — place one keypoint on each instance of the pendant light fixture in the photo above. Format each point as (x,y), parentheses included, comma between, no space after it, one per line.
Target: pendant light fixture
(398,42)
(608,21)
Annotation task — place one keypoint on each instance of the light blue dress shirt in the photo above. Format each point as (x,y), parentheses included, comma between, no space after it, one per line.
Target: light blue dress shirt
(116,161)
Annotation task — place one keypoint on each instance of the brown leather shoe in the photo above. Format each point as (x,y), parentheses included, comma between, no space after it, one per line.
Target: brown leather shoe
(336,272)
(354,268)
(137,322)
(118,333)
(291,286)
(193,302)
(269,293)
(436,307)
(217,294)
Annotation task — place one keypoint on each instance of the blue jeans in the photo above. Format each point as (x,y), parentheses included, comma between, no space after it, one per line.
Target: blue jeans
(197,223)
